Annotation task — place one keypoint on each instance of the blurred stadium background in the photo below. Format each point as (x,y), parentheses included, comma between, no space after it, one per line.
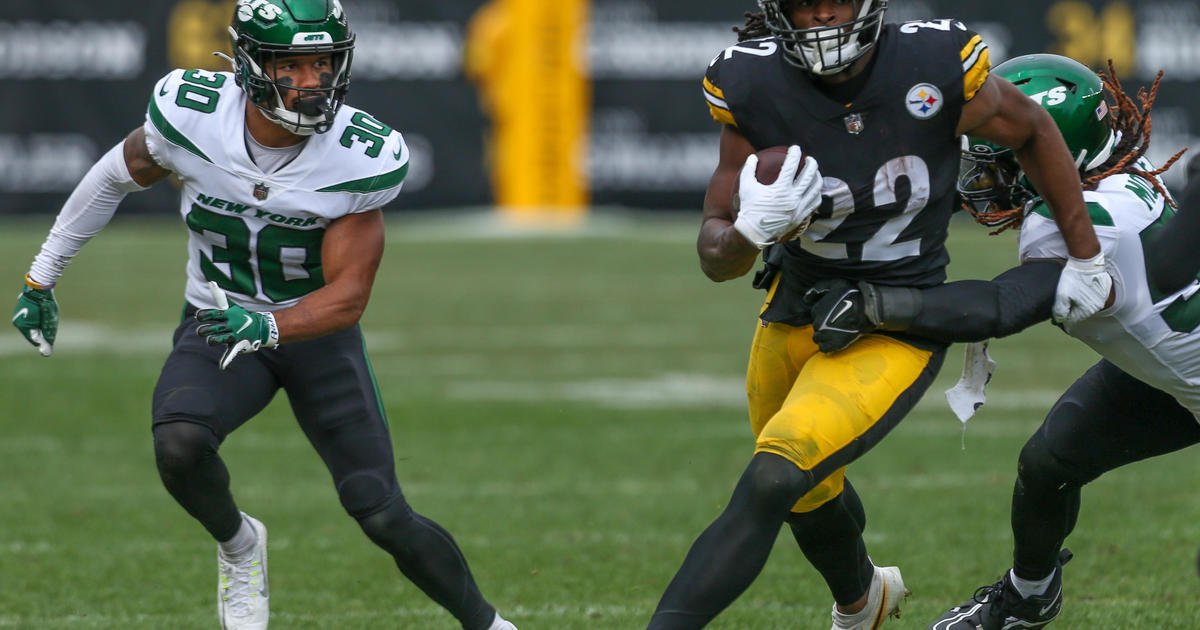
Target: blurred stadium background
(565,395)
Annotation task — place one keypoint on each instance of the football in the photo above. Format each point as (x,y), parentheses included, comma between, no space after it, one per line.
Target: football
(770,162)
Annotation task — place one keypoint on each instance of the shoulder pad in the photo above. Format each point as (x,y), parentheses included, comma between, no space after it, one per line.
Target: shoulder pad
(953,35)
(738,58)
(183,105)
(370,155)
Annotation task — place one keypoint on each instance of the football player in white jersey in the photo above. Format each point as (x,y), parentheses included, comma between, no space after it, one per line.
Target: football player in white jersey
(282,186)
(1143,398)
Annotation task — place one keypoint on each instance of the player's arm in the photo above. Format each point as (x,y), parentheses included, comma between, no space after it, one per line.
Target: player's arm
(1173,263)
(142,167)
(999,112)
(350,255)
(125,168)
(724,253)
(962,311)
(1002,114)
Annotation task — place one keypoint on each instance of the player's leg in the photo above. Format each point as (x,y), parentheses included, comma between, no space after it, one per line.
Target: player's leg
(731,552)
(841,406)
(831,539)
(333,393)
(833,409)
(195,407)
(1106,419)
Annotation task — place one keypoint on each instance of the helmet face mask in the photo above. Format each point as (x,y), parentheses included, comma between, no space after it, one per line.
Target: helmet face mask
(266,33)
(825,50)
(992,186)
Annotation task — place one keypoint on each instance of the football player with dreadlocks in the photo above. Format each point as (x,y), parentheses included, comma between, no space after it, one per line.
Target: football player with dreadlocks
(282,185)
(877,111)
(1143,398)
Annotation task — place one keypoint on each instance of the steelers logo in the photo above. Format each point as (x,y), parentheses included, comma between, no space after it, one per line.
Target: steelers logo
(924,101)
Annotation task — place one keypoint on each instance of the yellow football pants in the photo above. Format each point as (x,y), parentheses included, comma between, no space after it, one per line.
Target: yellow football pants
(822,411)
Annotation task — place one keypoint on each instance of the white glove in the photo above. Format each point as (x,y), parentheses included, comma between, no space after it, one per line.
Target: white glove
(769,211)
(1083,289)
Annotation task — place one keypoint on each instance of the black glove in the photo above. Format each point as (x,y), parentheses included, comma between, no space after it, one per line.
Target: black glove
(838,313)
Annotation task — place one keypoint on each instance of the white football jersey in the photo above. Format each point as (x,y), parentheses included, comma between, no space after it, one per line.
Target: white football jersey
(259,235)
(1150,335)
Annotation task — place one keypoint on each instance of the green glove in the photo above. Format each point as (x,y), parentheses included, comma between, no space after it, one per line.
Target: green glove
(36,316)
(241,330)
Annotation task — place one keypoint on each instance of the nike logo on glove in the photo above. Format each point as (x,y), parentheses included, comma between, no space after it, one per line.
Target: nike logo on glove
(249,320)
(23,313)
(841,310)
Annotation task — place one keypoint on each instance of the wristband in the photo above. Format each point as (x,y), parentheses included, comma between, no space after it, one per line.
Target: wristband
(37,286)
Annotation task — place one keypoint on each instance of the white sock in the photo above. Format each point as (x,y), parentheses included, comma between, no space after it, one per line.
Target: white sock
(499,623)
(241,543)
(1030,588)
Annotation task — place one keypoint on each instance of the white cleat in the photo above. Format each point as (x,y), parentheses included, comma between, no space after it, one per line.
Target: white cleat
(883,601)
(242,595)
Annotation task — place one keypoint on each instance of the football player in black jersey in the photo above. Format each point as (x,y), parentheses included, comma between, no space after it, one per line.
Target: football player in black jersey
(1140,400)
(878,109)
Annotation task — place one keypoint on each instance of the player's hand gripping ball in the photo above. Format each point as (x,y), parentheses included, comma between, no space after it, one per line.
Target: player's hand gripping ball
(770,162)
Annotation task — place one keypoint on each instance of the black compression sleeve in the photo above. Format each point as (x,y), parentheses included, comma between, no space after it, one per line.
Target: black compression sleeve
(975,310)
(1174,264)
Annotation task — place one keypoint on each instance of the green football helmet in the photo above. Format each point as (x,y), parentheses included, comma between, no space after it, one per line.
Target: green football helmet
(264,31)
(990,180)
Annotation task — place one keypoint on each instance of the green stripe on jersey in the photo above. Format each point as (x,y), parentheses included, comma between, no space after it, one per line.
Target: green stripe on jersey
(171,133)
(1098,214)
(370,184)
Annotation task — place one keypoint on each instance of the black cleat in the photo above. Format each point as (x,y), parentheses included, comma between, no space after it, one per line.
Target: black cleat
(1000,607)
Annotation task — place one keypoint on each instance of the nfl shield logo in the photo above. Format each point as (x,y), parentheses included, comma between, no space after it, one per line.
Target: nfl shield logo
(260,191)
(854,124)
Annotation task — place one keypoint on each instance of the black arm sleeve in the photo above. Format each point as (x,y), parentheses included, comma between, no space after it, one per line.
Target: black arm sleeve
(976,310)
(1174,264)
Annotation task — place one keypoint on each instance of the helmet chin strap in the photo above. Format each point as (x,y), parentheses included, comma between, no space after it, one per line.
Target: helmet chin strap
(295,122)
(830,44)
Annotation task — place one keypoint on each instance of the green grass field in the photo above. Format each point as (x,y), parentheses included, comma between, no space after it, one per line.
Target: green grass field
(569,406)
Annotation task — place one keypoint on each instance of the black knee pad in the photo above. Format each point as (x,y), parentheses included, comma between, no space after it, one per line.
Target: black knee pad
(775,481)
(1039,467)
(180,446)
(365,493)
(390,526)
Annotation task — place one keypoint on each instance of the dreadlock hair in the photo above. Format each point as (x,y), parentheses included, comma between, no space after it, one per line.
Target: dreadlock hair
(1134,125)
(756,27)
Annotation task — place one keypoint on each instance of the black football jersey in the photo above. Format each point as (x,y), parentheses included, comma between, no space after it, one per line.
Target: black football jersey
(889,158)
